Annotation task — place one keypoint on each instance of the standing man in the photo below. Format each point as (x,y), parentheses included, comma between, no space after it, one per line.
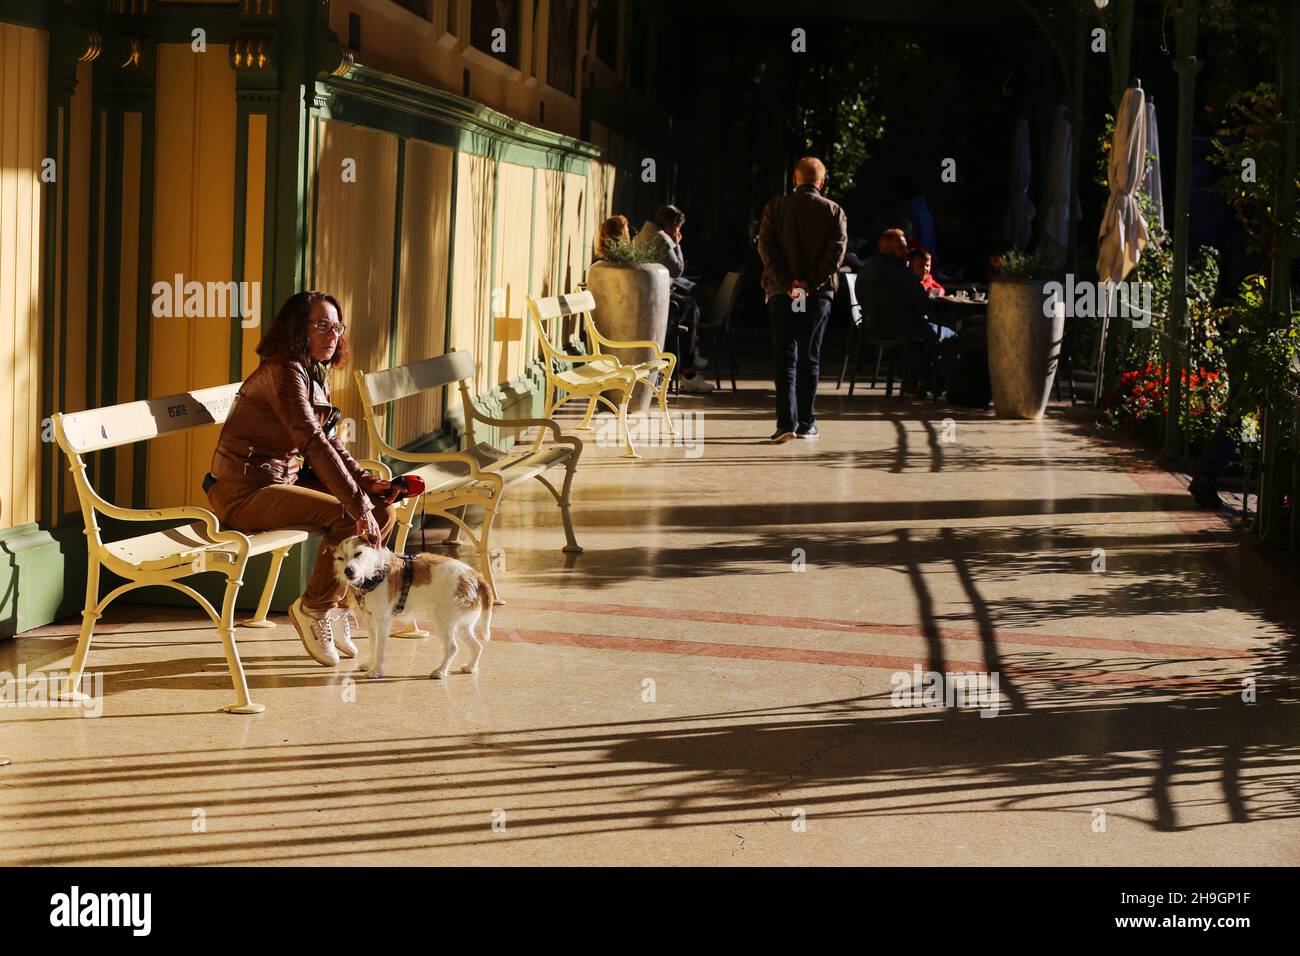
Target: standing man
(801,242)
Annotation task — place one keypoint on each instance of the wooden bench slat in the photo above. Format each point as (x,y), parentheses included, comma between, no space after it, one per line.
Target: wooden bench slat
(175,547)
(115,425)
(390,384)
(557,306)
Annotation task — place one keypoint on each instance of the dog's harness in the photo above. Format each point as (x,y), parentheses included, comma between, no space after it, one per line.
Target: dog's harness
(408,573)
(369,584)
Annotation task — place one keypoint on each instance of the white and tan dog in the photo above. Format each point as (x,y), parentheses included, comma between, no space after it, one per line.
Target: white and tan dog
(428,588)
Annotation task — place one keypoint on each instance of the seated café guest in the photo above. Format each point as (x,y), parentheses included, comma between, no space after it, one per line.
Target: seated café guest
(279,432)
(920,260)
(612,232)
(889,266)
(661,238)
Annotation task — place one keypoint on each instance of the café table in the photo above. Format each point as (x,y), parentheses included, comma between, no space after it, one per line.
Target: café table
(955,312)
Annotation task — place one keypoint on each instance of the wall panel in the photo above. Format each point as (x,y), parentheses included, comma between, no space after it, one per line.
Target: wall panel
(576,244)
(353,255)
(23,75)
(471,293)
(130,324)
(193,223)
(255,200)
(548,245)
(511,282)
(422,300)
(74,323)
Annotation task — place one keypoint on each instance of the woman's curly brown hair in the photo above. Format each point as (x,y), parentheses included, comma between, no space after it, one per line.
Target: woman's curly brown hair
(288,334)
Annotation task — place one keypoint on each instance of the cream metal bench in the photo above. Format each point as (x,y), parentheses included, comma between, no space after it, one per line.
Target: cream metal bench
(165,557)
(480,475)
(588,376)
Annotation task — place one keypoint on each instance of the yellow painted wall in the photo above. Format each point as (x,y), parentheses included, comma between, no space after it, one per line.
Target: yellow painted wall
(430,51)
(422,298)
(193,223)
(354,249)
(511,281)
(472,269)
(23,75)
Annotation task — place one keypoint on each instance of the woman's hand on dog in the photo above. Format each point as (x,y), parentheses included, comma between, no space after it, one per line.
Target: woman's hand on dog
(368,527)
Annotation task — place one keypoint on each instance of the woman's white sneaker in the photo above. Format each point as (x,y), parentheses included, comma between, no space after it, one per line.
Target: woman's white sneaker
(317,634)
(343,621)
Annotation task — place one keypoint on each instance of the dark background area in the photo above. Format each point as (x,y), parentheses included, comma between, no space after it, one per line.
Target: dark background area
(948,79)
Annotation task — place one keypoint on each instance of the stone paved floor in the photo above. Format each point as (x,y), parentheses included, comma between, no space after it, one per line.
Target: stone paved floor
(682,693)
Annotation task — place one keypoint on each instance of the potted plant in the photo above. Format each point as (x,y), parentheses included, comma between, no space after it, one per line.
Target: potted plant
(631,291)
(1025,328)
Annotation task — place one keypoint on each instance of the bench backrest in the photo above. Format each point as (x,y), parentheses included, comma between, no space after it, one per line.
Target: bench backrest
(562,306)
(390,384)
(545,311)
(377,389)
(97,428)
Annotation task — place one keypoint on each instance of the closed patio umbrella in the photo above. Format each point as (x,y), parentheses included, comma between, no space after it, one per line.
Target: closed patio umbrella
(1018,224)
(1151,184)
(1123,230)
(1055,220)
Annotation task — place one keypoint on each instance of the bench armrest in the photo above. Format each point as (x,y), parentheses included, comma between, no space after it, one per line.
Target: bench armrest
(618,344)
(543,423)
(588,358)
(455,457)
(180,512)
(177,513)
(377,466)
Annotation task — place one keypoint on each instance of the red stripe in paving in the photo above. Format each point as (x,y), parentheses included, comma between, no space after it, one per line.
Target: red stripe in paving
(1031,638)
(647,645)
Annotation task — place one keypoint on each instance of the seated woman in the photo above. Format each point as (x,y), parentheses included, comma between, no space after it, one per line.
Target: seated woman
(612,232)
(281,417)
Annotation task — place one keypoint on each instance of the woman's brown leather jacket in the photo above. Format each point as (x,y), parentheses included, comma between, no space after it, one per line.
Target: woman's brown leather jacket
(276,422)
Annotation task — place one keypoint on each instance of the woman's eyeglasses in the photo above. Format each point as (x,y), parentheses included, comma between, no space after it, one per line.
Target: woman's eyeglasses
(326,328)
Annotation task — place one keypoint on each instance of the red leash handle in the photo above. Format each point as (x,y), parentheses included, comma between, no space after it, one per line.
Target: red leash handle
(404,486)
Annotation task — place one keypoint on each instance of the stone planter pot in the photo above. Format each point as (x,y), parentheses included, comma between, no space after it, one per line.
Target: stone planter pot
(1024,346)
(631,303)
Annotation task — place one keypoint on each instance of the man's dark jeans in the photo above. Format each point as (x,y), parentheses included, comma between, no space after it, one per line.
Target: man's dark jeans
(796,357)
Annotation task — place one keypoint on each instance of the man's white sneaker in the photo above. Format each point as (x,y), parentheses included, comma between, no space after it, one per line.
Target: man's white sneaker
(316,632)
(701,361)
(698,385)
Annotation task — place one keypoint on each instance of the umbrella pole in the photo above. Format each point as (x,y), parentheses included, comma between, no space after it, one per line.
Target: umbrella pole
(1187,67)
(1101,351)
